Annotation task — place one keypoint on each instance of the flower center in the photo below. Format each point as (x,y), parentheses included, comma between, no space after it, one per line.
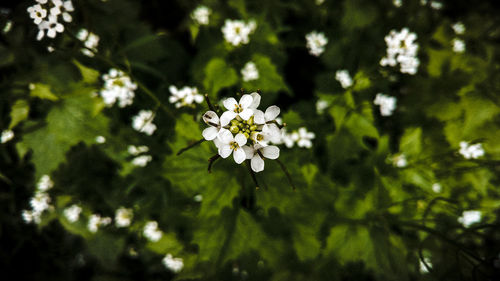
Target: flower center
(234,145)
(238,108)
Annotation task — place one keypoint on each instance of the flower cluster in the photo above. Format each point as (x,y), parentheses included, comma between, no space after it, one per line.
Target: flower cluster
(95,221)
(123,217)
(117,88)
(399,161)
(143,122)
(6,136)
(139,160)
(47,22)
(458,44)
(40,202)
(402,49)
(316,42)
(237,32)
(174,264)
(301,137)
(186,96)
(471,151)
(250,72)
(344,78)
(245,131)
(151,231)
(72,213)
(387,104)
(89,40)
(469,217)
(201,15)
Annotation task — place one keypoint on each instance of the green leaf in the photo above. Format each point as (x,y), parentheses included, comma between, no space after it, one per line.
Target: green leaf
(270,81)
(19,112)
(218,75)
(106,248)
(42,91)
(89,75)
(411,142)
(358,14)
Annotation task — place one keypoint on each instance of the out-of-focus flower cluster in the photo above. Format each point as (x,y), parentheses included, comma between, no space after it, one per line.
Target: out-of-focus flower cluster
(316,42)
(40,202)
(237,32)
(48,15)
(185,96)
(387,104)
(118,87)
(402,49)
(89,40)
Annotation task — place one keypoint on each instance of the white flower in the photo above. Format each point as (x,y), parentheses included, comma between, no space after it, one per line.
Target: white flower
(436,187)
(45,183)
(40,202)
(123,217)
(100,139)
(436,5)
(321,105)
(198,198)
(344,78)
(7,27)
(62,8)
(237,32)
(258,152)
(316,42)
(52,26)
(387,104)
(250,72)
(458,27)
(37,13)
(93,223)
(397,3)
(469,217)
(151,231)
(72,213)
(303,138)
(142,160)
(319,2)
(174,264)
(201,15)
(136,150)
(7,135)
(117,87)
(185,96)
(230,144)
(458,45)
(400,161)
(90,41)
(242,109)
(401,49)
(267,119)
(213,121)
(287,138)
(471,151)
(142,122)
(28,216)
(42,1)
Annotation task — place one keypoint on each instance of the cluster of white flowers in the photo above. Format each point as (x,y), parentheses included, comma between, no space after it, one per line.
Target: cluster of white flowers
(237,32)
(47,22)
(6,136)
(201,15)
(321,105)
(173,264)
(90,41)
(458,44)
(72,213)
(399,161)
(245,131)
(301,137)
(344,78)
(436,5)
(250,72)
(141,160)
(387,104)
(123,217)
(40,202)
(151,231)
(117,87)
(143,122)
(96,221)
(316,42)
(471,151)
(397,3)
(186,96)
(402,49)
(469,217)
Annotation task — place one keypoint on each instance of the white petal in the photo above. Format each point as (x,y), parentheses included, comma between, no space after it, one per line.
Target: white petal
(246,101)
(225,150)
(240,139)
(230,104)
(257,164)
(272,131)
(249,151)
(210,133)
(226,117)
(239,155)
(271,152)
(51,33)
(246,113)
(272,112)
(211,117)
(255,101)
(217,143)
(258,117)
(225,136)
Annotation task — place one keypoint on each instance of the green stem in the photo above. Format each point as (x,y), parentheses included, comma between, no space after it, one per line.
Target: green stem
(190,146)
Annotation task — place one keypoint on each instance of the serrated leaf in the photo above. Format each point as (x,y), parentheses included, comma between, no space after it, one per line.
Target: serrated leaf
(218,75)
(43,91)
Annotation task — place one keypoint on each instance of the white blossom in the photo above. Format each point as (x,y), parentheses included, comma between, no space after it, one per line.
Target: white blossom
(72,213)
(436,187)
(211,119)
(6,136)
(201,15)
(230,144)
(117,88)
(258,152)
(237,32)
(303,138)
(40,202)
(186,96)
(344,78)
(397,3)
(37,13)
(62,8)
(470,217)
(142,160)
(402,49)
(45,183)
(90,41)
(198,198)
(458,27)
(136,150)
(173,264)
(123,217)
(151,231)
(235,109)
(387,104)
(143,122)
(471,151)
(321,105)
(270,129)
(95,221)
(316,42)
(100,139)
(7,27)
(399,161)
(458,45)
(436,5)
(250,72)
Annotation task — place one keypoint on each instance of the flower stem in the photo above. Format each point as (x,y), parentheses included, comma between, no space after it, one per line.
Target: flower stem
(286,173)
(190,146)
(252,174)
(211,161)
(210,106)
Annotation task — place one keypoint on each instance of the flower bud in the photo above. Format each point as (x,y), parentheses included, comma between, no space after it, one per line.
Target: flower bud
(234,129)
(253,127)
(246,135)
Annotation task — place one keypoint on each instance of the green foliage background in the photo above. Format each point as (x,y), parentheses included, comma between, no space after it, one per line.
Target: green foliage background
(353,216)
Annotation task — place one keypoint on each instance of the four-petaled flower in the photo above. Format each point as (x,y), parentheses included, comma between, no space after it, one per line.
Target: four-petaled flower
(229,144)
(242,109)
(213,121)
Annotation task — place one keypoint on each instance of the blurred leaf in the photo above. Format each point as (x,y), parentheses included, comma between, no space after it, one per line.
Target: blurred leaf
(19,112)
(43,91)
(89,75)
(218,75)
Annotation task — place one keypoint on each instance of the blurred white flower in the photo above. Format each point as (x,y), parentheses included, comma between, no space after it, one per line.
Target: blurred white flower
(142,160)
(458,45)
(151,231)
(399,161)
(436,187)
(469,217)
(62,8)
(117,87)
(387,104)
(303,138)
(45,183)
(143,122)
(237,32)
(90,41)
(174,264)
(198,198)
(344,78)
(397,3)
(458,27)
(201,15)
(436,5)
(242,109)
(95,221)
(100,139)
(136,150)
(316,42)
(321,105)
(258,152)
(7,27)
(250,72)
(37,13)
(72,213)
(6,136)
(402,49)
(123,217)
(471,151)
(186,96)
